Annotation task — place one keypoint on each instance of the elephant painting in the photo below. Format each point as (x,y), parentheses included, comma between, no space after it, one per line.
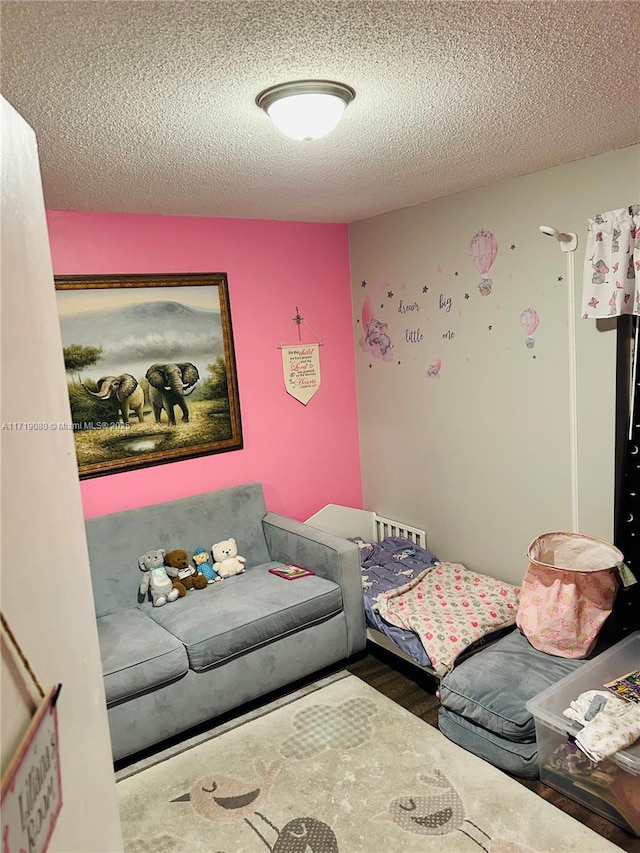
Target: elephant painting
(129,393)
(169,385)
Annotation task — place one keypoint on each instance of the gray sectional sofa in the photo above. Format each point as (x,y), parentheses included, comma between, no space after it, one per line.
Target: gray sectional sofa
(167,669)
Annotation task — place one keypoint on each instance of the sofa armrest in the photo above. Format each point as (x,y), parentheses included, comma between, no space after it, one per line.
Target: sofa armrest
(329,556)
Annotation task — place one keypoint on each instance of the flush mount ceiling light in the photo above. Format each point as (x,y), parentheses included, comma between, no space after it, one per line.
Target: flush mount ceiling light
(306,109)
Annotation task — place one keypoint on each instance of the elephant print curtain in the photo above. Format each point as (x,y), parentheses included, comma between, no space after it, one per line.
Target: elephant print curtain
(611,285)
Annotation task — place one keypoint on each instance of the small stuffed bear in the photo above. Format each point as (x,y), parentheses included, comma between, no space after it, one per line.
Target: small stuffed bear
(155,577)
(182,574)
(227,561)
(205,566)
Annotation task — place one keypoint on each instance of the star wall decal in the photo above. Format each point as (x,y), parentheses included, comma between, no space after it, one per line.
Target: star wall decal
(512,246)
(560,278)
(456,272)
(363,283)
(425,289)
(389,294)
(490,328)
(466,296)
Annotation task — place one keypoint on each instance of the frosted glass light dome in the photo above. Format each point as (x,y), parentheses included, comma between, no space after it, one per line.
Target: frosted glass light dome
(306,109)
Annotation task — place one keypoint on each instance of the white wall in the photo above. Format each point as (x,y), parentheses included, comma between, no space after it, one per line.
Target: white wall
(46,587)
(481,455)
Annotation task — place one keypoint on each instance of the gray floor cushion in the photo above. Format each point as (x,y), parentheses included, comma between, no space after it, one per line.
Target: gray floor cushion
(520,759)
(491,688)
(137,655)
(483,702)
(253,608)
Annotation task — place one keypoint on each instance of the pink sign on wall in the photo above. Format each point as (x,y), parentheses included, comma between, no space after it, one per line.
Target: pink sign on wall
(32,785)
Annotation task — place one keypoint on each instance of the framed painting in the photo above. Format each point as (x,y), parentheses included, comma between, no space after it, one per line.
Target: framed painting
(150,369)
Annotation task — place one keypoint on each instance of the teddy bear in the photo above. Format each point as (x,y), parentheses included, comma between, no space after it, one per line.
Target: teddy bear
(183,575)
(205,566)
(155,578)
(226,559)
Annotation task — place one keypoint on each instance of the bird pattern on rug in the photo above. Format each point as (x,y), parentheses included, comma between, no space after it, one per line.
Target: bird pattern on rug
(225,800)
(434,810)
(300,835)
(440,812)
(228,800)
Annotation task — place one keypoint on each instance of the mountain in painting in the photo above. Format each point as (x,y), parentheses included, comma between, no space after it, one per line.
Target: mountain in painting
(134,337)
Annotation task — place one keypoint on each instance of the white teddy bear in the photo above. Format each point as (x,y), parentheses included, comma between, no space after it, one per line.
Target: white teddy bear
(226,560)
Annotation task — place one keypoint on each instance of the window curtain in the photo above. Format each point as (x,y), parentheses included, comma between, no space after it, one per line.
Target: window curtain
(611,283)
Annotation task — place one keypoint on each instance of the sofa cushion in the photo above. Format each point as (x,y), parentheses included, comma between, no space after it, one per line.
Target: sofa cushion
(117,540)
(245,611)
(520,759)
(492,687)
(137,654)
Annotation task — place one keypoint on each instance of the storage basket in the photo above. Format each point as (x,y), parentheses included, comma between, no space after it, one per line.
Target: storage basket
(568,591)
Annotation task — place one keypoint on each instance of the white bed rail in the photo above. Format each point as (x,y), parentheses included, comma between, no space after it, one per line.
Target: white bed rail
(349,523)
(387,527)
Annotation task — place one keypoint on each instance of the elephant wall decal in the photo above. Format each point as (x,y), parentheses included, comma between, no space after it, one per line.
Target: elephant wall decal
(169,385)
(126,389)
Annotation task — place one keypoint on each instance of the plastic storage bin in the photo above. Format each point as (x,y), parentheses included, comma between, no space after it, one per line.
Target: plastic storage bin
(612,787)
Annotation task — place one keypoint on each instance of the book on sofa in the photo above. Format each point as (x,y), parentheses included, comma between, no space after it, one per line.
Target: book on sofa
(291,572)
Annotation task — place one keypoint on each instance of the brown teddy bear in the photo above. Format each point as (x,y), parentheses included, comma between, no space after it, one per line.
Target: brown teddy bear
(182,574)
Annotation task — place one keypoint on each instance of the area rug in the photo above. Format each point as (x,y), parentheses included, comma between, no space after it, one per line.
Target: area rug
(342,769)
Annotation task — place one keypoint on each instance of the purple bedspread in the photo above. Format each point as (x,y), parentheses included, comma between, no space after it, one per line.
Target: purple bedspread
(385,565)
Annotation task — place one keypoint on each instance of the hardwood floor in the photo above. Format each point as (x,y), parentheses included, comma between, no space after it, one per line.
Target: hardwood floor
(416,692)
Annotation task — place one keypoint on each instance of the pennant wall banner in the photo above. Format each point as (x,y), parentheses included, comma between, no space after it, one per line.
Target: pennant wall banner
(301,368)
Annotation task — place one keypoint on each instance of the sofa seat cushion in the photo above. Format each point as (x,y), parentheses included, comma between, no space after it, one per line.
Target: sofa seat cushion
(245,611)
(137,654)
(491,688)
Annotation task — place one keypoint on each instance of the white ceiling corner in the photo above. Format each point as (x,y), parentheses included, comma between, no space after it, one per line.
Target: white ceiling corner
(149,106)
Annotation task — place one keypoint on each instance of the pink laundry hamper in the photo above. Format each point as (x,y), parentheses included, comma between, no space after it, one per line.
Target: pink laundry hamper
(568,591)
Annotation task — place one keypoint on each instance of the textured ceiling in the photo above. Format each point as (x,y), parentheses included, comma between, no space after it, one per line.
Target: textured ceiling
(149,106)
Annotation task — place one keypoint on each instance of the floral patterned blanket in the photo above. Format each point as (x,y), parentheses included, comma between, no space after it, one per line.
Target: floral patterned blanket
(450,607)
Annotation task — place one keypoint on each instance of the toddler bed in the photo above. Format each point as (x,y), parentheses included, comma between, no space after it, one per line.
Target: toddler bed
(430,613)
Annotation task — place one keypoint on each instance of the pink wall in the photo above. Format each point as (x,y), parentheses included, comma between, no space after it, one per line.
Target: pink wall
(305,456)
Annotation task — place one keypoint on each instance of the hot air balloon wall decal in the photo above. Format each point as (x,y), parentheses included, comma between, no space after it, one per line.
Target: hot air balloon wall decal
(483,249)
(529,321)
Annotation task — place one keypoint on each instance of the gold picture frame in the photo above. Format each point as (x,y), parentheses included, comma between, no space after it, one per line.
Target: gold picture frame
(151,369)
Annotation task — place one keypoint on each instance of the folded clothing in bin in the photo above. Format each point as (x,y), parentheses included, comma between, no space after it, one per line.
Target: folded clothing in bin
(616,726)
